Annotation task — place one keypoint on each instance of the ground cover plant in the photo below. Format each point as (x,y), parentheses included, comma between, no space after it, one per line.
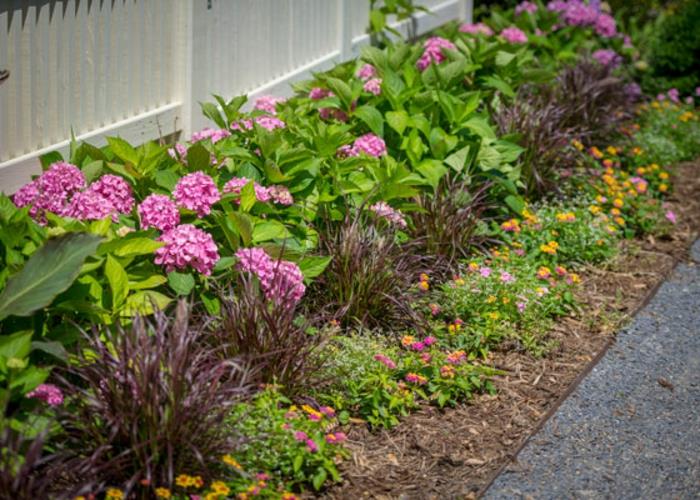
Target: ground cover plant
(346,256)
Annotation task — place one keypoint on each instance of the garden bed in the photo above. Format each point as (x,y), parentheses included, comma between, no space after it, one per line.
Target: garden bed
(456,453)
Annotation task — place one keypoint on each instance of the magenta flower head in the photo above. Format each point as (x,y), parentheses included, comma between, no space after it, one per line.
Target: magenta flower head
(514,35)
(48,393)
(371,145)
(373,86)
(158,211)
(187,246)
(311,446)
(196,192)
(300,436)
(366,72)
(281,281)
(605,26)
(506,277)
(235,185)
(434,52)
(674,95)
(485,272)
(671,216)
(525,7)
(476,29)
(51,191)
(116,190)
(280,195)
(269,122)
(268,103)
(90,205)
(607,57)
(385,360)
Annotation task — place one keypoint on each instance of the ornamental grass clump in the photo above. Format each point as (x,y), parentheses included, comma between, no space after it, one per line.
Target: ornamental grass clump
(365,283)
(148,400)
(259,322)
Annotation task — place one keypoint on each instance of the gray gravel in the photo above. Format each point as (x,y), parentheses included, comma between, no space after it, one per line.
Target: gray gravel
(632,427)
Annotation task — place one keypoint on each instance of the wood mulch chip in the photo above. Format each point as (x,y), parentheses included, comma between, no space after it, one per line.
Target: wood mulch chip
(457,452)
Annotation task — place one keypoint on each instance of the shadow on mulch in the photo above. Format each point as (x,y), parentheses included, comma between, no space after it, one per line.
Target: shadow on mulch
(456,453)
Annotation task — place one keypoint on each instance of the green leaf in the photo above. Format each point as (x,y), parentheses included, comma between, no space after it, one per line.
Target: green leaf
(342,90)
(53,348)
(93,170)
(181,283)
(433,171)
(128,247)
(144,302)
(167,179)
(499,84)
(123,150)
(319,478)
(248,198)
(118,282)
(516,203)
(244,226)
(458,159)
(504,58)
(18,345)
(198,157)
(313,266)
(372,117)
(211,111)
(269,230)
(298,462)
(150,282)
(49,158)
(48,272)
(398,120)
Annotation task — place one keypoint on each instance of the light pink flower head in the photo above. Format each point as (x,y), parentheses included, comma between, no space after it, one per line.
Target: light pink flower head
(281,280)
(196,192)
(373,86)
(366,72)
(268,103)
(671,216)
(607,57)
(187,246)
(525,7)
(51,191)
(393,216)
(434,52)
(605,26)
(280,195)
(215,135)
(514,35)
(476,29)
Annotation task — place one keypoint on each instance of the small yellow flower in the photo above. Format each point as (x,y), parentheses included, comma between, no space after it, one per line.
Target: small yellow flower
(594,209)
(663,175)
(575,278)
(229,460)
(615,211)
(423,285)
(424,277)
(641,171)
(114,494)
(163,493)
(618,202)
(663,188)
(577,144)
(220,488)
(506,300)
(491,299)
(620,221)
(473,266)
(612,150)
(493,315)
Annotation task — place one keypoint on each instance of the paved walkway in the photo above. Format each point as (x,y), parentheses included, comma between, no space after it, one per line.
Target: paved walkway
(631,430)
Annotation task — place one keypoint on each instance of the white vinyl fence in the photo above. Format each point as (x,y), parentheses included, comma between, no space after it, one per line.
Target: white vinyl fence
(139,68)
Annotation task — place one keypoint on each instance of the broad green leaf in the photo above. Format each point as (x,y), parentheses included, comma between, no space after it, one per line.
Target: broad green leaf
(433,171)
(52,347)
(145,302)
(211,111)
(499,84)
(313,266)
(458,159)
(198,157)
(167,179)
(181,283)
(50,158)
(398,120)
(244,226)
(150,282)
(319,478)
(342,90)
(372,118)
(516,203)
(504,58)
(118,281)
(269,230)
(18,345)
(127,247)
(48,272)
(123,150)
(248,198)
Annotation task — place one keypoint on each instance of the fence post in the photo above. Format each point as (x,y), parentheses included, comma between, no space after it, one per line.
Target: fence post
(466,10)
(345,29)
(186,71)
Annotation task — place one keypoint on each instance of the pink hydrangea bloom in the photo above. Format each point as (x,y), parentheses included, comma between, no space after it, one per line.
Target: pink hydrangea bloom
(116,190)
(187,246)
(514,35)
(178,152)
(243,124)
(373,86)
(433,52)
(48,393)
(237,183)
(607,57)
(51,191)
(476,29)
(90,205)
(269,122)
(281,280)
(209,133)
(605,26)
(158,211)
(61,178)
(268,103)
(317,93)
(382,209)
(525,7)
(366,72)
(196,192)
(557,5)
(369,144)
(579,14)
(674,95)
(281,195)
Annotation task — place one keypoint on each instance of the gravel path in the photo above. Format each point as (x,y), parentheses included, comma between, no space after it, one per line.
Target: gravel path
(632,427)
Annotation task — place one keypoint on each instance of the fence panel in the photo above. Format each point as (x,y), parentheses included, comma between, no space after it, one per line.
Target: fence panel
(138,68)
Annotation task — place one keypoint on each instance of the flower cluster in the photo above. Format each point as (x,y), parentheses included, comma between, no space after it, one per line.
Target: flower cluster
(317,94)
(215,135)
(235,185)
(607,57)
(476,29)
(373,86)
(197,192)
(433,52)
(578,13)
(48,393)
(186,245)
(158,211)
(116,191)
(525,6)
(383,210)
(281,280)
(268,103)
(366,72)
(514,35)
(51,191)
(369,144)
(89,205)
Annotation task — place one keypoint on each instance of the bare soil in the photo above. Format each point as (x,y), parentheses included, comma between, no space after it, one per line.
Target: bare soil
(456,453)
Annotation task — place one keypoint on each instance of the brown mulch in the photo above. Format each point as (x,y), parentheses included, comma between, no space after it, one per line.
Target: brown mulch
(456,453)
